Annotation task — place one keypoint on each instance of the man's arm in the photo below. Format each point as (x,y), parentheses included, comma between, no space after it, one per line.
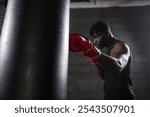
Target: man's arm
(117,60)
(99,70)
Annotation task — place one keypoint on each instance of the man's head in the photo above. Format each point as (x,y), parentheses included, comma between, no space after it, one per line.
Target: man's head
(100,32)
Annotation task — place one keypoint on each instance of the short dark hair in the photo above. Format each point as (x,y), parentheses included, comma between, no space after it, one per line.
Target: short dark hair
(99,27)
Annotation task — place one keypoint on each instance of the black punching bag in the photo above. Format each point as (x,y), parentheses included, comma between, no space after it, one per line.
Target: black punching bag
(34,50)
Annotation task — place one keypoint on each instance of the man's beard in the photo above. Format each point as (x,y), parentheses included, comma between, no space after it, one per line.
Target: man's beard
(101,46)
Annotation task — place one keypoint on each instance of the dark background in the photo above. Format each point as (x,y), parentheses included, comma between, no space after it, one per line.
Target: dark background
(130,24)
(79,0)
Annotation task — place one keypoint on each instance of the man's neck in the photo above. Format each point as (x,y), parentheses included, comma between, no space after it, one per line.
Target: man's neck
(111,41)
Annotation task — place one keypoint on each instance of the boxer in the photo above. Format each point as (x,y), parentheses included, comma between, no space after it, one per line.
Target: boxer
(112,66)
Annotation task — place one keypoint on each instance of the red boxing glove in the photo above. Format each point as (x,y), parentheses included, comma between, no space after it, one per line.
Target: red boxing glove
(77,43)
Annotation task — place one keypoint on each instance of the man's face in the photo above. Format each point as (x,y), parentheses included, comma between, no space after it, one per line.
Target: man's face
(99,41)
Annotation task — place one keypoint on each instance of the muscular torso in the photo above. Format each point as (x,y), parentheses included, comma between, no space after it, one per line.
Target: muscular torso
(117,83)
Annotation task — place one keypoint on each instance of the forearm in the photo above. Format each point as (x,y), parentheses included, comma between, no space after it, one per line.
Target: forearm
(109,63)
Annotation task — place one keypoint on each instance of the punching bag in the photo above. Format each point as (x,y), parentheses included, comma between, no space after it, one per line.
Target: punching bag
(34,50)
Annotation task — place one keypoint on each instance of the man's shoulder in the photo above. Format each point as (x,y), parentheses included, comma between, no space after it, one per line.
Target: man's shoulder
(121,47)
